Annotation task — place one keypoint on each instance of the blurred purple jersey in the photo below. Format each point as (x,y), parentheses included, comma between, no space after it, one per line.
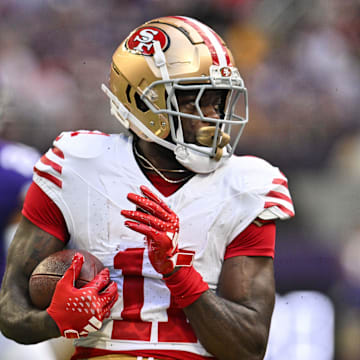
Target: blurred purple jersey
(16,165)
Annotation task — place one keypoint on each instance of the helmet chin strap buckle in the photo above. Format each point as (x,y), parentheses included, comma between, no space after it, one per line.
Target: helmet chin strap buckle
(205,137)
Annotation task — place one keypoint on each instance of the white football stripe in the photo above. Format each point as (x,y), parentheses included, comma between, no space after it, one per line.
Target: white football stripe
(90,328)
(282,202)
(281,189)
(95,322)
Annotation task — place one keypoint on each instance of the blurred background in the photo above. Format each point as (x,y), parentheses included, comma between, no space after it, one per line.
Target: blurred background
(300,63)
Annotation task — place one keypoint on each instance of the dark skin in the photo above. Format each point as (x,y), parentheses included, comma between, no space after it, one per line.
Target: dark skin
(232,323)
(19,320)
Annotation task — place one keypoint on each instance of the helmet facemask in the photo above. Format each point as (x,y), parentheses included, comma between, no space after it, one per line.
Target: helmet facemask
(229,123)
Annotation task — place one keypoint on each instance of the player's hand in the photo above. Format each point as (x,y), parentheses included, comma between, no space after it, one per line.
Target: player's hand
(77,312)
(160,225)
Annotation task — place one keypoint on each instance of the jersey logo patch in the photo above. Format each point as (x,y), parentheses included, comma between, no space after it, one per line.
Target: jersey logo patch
(142,40)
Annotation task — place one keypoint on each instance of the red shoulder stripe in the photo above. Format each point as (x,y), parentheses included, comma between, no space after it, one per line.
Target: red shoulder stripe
(279,195)
(51,163)
(280,182)
(281,207)
(58,152)
(50,177)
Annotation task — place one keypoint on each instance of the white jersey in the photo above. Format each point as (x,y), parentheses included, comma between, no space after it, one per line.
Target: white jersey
(89,174)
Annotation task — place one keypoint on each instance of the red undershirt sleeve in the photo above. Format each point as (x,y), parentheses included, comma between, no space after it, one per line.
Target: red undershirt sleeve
(253,241)
(44,213)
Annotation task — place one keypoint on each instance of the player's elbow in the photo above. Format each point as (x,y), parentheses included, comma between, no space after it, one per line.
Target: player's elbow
(258,344)
(6,328)
(9,324)
(252,345)
(11,331)
(3,321)
(252,352)
(8,333)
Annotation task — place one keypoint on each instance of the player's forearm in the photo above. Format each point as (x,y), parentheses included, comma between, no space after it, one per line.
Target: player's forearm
(226,329)
(19,319)
(23,323)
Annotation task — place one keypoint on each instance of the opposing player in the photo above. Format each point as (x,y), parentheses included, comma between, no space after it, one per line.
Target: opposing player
(186,229)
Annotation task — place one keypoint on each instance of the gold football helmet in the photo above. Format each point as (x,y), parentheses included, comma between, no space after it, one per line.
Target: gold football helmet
(171,55)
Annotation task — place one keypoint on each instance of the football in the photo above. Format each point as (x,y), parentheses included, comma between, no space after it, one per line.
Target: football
(48,272)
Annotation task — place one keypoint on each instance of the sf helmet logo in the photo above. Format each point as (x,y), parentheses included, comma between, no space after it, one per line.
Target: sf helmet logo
(142,40)
(225,71)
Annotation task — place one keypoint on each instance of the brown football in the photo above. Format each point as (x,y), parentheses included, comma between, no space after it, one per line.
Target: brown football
(48,272)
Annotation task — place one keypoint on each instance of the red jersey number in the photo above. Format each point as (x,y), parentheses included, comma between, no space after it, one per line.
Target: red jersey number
(176,329)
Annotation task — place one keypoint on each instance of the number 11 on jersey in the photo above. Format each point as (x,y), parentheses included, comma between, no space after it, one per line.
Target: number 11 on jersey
(132,327)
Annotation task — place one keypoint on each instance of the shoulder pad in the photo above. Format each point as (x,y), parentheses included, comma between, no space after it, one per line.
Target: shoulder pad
(250,172)
(82,143)
(262,179)
(253,163)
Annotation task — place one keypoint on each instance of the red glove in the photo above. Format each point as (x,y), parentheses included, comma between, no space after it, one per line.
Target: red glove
(161,230)
(80,311)
(160,225)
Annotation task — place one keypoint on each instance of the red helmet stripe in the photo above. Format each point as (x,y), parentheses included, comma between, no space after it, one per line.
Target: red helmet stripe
(224,48)
(218,51)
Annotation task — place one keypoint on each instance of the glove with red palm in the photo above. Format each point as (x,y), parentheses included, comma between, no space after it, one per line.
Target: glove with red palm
(160,225)
(77,312)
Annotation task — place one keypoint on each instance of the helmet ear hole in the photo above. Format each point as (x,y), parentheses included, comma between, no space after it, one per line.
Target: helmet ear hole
(140,104)
(128,93)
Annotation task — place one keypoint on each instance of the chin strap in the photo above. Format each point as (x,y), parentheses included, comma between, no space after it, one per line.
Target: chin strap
(117,109)
(160,62)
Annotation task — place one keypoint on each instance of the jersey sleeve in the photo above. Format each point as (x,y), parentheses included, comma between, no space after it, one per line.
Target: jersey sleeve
(278,203)
(254,241)
(255,191)
(58,172)
(43,212)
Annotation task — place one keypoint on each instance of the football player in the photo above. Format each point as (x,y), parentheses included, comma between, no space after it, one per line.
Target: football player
(185,228)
